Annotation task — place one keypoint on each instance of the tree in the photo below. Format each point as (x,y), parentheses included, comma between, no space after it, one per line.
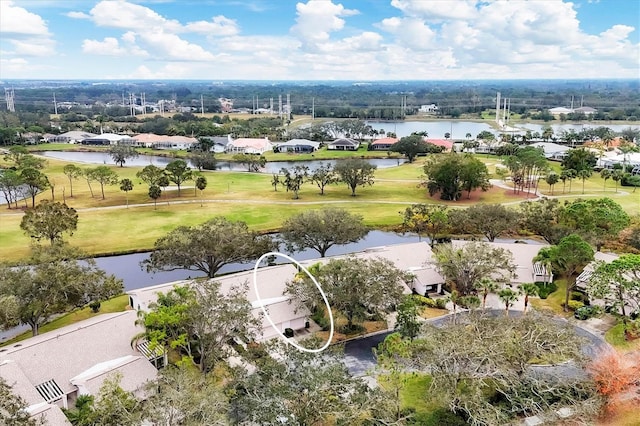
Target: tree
(35,182)
(49,220)
(618,283)
(294,178)
(355,172)
(410,146)
(463,357)
(323,175)
(252,162)
(408,320)
(121,153)
(568,257)
(201,184)
(615,374)
(485,286)
(72,172)
(52,282)
(528,290)
(115,406)
(567,175)
(154,193)
(89,177)
(275,181)
(178,172)
(104,176)
(344,281)
(544,217)
(579,159)
(207,247)
(203,160)
(197,321)
(490,220)
(322,229)
(426,219)
(508,297)
(126,185)
(596,220)
(15,153)
(11,186)
(473,261)
(451,173)
(167,403)
(150,175)
(617,176)
(306,389)
(605,174)
(584,175)
(551,179)
(526,166)
(12,408)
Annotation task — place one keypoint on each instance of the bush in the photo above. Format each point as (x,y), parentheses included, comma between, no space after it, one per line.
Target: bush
(441,303)
(322,321)
(586,312)
(424,301)
(574,305)
(544,290)
(95,306)
(288,332)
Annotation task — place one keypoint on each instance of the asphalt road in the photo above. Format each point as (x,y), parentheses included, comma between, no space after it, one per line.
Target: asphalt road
(359,358)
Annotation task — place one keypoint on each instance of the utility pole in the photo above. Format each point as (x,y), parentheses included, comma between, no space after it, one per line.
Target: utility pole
(313,108)
(55,104)
(280,106)
(202,105)
(498,108)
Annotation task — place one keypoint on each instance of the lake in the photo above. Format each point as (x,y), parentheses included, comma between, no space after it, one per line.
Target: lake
(156,160)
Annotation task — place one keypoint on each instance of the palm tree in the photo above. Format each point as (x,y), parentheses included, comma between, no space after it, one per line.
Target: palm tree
(454,298)
(508,297)
(486,286)
(528,289)
(605,174)
(617,176)
(584,174)
(570,175)
(552,178)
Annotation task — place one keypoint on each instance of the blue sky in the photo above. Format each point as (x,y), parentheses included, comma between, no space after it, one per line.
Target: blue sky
(319,39)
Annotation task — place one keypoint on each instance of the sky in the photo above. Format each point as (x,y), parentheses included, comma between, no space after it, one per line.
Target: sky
(361,40)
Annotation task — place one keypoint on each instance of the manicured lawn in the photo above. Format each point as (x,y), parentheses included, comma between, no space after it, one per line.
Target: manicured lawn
(117,304)
(415,396)
(554,301)
(615,337)
(432,312)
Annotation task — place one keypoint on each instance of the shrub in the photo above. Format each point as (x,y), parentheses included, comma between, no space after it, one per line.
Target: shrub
(322,321)
(574,304)
(586,312)
(441,303)
(95,306)
(544,290)
(288,332)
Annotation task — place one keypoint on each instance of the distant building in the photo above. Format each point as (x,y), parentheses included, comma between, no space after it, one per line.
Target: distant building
(249,146)
(298,146)
(383,144)
(428,108)
(343,144)
(108,139)
(446,143)
(74,136)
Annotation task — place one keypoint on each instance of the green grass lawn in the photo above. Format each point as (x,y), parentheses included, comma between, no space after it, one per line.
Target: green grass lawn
(554,301)
(117,304)
(615,337)
(415,397)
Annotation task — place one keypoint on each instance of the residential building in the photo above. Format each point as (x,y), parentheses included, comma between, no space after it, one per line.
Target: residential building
(107,139)
(249,146)
(383,144)
(74,136)
(298,146)
(344,144)
(446,143)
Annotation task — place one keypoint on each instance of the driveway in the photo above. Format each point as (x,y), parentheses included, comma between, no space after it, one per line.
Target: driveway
(359,358)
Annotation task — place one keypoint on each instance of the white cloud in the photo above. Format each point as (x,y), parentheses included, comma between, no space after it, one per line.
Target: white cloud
(17,21)
(437,10)
(77,15)
(129,16)
(173,48)
(317,19)
(410,32)
(218,26)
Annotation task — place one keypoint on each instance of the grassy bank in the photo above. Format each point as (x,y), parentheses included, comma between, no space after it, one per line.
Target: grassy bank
(117,304)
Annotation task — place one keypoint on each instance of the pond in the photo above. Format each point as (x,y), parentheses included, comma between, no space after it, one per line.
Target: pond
(156,160)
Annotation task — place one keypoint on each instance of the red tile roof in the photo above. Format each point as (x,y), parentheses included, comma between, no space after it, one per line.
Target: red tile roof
(446,143)
(385,141)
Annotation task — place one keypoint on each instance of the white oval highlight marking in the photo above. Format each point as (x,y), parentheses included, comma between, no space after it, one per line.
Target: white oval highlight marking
(266,314)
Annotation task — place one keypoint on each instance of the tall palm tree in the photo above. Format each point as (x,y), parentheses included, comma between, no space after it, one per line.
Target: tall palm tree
(486,286)
(605,174)
(508,297)
(528,289)
(584,174)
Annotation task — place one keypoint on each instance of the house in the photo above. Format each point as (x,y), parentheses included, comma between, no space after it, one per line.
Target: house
(383,144)
(586,110)
(107,139)
(428,108)
(552,150)
(271,286)
(344,144)
(151,140)
(51,370)
(298,145)
(582,281)
(249,146)
(218,143)
(446,143)
(560,110)
(74,136)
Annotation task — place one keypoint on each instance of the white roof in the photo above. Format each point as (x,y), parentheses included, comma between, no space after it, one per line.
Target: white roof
(110,137)
(550,148)
(295,142)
